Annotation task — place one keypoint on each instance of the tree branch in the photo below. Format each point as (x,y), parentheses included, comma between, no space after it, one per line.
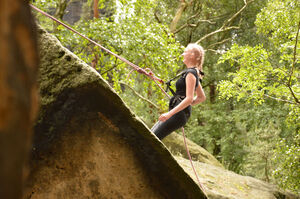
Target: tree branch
(156,17)
(194,16)
(236,14)
(115,66)
(293,94)
(278,99)
(192,25)
(159,21)
(224,26)
(218,43)
(140,96)
(180,29)
(222,29)
(214,51)
(289,84)
(109,69)
(206,20)
(71,1)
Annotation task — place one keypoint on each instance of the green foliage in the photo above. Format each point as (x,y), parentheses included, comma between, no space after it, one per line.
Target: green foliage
(250,81)
(261,73)
(287,171)
(240,135)
(271,72)
(279,21)
(45,5)
(215,127)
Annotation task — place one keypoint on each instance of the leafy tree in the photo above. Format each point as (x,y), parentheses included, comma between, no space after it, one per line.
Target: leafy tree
(271,71)
(268,73)
(287,158)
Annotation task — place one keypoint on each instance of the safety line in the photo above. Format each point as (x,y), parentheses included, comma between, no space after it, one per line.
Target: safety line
(188,152)
(149,74)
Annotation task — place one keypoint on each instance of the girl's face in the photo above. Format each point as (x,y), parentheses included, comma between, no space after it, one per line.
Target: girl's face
(188,56)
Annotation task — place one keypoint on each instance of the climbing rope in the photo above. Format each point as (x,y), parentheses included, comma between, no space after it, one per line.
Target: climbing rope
(190,158)
(146,72)
(149,74)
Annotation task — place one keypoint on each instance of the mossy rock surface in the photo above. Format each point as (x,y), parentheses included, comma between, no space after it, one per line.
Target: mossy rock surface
(88,144)
(220,183)
(175,143)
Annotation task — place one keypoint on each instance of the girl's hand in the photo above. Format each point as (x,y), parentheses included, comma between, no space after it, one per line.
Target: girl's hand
(164,117)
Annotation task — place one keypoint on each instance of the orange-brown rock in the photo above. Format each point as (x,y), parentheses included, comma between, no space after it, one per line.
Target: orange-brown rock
(18,93)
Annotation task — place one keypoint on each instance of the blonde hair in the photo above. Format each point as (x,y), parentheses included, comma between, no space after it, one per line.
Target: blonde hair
(198,51)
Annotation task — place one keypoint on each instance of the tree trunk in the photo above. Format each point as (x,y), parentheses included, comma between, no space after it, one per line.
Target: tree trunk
(96,11)
(61,6)
(267,179)
(212,92)
(96,16)
(217,148)
(178,15)
(95,60)
(86,11)
(18,91)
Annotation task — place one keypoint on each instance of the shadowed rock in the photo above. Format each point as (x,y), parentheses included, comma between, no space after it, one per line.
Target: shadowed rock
(88,144)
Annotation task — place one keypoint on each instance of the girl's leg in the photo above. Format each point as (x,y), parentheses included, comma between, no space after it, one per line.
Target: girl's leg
(162,129)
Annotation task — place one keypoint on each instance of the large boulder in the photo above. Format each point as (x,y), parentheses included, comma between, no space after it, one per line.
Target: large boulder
(175,143)
(88,144)
(220,183)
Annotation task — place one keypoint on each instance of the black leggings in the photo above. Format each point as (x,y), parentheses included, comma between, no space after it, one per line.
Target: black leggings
(162,129)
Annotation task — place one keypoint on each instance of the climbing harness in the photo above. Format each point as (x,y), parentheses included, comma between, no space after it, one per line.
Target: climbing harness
(146,72)
(168,83)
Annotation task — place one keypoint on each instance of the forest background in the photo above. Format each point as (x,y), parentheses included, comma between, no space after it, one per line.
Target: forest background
(250,120)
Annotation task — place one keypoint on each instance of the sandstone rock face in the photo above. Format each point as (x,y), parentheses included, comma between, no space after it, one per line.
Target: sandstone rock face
(175,143)
(88,144)
(92,160)
(219,183)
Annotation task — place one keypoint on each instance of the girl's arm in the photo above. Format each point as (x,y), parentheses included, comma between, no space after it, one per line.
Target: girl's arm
(188,100)
(200,95)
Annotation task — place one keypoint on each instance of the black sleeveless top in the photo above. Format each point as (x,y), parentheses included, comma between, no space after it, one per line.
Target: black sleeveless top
(180,83)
